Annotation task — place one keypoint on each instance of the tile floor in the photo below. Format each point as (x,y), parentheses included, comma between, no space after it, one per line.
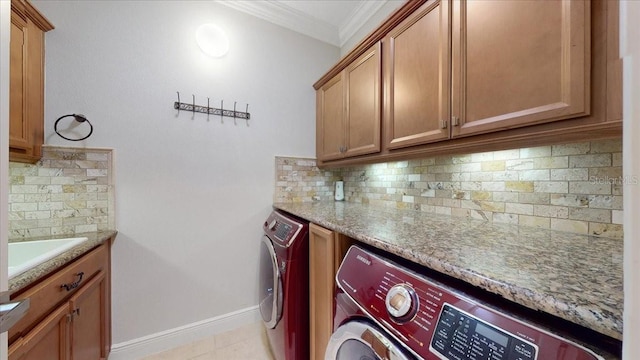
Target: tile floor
(244,343)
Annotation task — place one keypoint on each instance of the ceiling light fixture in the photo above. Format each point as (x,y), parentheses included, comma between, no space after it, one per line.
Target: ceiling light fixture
(212,40)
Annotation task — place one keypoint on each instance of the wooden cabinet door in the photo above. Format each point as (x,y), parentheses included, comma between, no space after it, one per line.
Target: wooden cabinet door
(19,139)
(26,94)
(517,63)
(330,120)
(88,311)
(417,77)
(49,340)
(326,251)
(362,83)
(34,67)
(321,288)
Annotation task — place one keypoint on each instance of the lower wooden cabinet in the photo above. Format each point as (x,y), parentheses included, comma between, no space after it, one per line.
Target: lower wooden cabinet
(88,320)
(70,316)
(326,250)
(49,340)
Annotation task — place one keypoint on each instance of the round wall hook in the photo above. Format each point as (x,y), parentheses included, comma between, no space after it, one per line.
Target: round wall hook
(77,117)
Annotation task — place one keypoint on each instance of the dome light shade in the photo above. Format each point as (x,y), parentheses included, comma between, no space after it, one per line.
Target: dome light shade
(212,40)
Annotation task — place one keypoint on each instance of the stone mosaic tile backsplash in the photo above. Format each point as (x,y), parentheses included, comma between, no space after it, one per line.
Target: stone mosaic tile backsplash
(69,191)
(300,180)
(569,187)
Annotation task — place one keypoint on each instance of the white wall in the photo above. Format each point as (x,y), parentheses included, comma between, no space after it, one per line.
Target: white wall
(630,51)
(191,193)
(5,28)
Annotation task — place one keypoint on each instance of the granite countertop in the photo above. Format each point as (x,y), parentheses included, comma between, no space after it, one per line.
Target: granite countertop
(575,277)
(94,239)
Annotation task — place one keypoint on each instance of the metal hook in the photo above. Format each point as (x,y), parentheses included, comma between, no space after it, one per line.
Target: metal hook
(234,112)
(177,105)
(193,107)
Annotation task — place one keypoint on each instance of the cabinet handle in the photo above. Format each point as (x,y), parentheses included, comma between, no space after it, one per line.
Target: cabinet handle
(75,284)
(443,124)
(455,121)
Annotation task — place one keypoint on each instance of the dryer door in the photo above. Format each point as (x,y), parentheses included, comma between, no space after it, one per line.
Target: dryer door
(270,284)
(361,340)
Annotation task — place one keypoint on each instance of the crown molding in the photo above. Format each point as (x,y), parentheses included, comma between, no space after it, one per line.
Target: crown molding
(287,17)
(290,18)
(357,18)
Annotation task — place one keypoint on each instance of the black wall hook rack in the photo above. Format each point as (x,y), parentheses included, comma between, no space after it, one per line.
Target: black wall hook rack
(212,110)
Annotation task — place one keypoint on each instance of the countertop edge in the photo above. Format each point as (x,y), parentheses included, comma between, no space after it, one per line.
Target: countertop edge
(581,314)
(38,272)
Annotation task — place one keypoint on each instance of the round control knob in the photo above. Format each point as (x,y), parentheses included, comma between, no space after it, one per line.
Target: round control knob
(401,302)
(272,225)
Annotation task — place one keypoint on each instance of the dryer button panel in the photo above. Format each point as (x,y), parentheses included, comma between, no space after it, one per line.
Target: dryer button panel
(460,335)
(282,230)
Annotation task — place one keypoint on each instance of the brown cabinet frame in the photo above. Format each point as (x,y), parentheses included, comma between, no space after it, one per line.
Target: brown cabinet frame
(604,119)
(26,95)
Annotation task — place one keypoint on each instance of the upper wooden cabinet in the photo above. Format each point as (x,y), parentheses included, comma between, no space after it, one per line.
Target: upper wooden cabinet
(463,76)
(329,119)
(26,94)
(348,109)
(518,63)
(416,77)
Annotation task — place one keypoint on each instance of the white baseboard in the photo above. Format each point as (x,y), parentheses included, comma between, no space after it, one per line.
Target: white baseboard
(168,339)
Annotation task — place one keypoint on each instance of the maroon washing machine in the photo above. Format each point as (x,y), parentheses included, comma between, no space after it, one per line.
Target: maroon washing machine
(284,285)
(387,311)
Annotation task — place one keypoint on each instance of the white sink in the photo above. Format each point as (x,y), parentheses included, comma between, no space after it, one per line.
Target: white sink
(28,254)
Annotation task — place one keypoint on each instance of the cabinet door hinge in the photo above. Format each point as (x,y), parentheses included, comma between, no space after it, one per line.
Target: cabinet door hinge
(74,313)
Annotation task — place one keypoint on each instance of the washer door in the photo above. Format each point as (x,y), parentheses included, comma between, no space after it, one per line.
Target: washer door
(363,341)
(270,284)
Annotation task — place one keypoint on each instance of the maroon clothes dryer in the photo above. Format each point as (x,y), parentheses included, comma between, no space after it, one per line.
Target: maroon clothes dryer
(284,285)
(387,311)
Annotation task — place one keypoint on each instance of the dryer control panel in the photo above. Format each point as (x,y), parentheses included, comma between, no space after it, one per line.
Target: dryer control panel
(435,322)
(281,229)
